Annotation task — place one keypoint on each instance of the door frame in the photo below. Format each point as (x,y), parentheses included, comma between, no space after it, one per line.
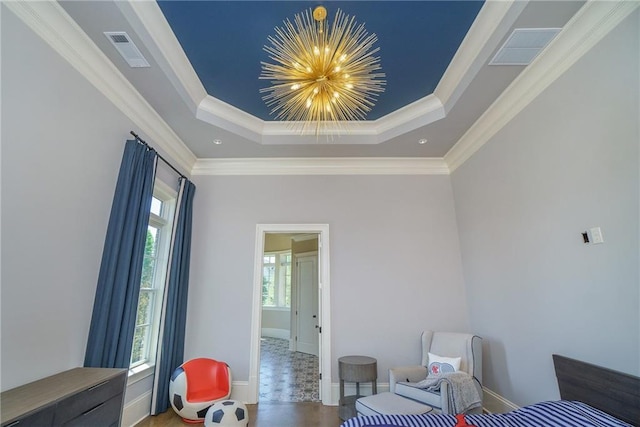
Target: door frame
(324,299)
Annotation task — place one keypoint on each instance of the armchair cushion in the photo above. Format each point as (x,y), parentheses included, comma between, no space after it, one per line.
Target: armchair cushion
(428,397)
(406,374)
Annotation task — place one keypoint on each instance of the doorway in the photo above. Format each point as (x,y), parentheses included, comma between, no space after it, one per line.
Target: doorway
(312,330)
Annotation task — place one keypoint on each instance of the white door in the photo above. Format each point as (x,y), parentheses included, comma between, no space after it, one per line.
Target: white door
(307,296)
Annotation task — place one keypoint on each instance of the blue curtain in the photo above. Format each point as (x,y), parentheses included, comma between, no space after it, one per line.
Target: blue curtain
(171,347)
(114,309)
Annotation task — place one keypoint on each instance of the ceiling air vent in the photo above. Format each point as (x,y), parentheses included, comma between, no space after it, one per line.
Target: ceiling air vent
(127,49)
(523,45)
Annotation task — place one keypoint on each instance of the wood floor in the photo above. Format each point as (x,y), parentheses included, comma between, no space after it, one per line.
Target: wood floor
(267,414)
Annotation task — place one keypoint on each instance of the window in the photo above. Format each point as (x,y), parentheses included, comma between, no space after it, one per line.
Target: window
(154,269)
(276,279)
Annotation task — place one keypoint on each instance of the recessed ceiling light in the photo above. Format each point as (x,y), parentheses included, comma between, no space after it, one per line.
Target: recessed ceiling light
(422,141)
(217,141)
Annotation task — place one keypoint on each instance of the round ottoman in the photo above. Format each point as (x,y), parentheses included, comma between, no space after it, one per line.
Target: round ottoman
(227,413)
(388,403)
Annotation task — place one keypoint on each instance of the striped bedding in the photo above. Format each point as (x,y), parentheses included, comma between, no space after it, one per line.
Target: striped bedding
(546,414)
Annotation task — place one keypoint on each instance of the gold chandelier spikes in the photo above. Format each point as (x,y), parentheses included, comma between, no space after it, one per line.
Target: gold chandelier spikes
(322,74)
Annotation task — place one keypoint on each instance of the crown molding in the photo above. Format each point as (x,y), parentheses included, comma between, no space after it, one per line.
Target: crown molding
(156,34)
(492,24)
(302,133)
(218,113)
(592,23)
(152,27)
(589,25)
(410,117)
(52,23)
(419,113)
(322,166)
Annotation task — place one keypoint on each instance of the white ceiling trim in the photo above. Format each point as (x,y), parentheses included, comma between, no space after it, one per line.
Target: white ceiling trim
(168,52)
(492,24)
(52,23)
(218,113)
(419,113)
(589,25)
(413,116)
(586,28)
(495,19)
(322,166)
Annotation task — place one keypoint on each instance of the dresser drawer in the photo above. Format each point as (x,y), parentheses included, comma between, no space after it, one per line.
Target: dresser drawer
(89,399)
(43,417)
(106,414)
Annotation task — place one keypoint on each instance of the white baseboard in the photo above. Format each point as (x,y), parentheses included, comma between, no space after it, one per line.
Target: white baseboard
(493,403)
(140,408)
(284,334)
(240,391)
(137,410)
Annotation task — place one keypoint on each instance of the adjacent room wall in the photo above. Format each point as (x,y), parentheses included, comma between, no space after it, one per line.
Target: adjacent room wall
(567,163)
(276,322)
(277,242)
(395,264)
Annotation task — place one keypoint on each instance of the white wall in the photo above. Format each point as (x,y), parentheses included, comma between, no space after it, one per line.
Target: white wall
(394,238)
(568,162)
(62,142)
(61,149)
(395,265)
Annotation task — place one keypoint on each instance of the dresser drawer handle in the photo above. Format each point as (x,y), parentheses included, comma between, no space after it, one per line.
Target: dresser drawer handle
(93,409)
(97,385)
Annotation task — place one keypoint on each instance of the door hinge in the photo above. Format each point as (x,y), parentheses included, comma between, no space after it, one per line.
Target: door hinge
(320,375)
(320,330)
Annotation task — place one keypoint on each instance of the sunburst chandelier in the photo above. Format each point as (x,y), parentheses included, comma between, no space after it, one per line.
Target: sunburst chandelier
(322,74)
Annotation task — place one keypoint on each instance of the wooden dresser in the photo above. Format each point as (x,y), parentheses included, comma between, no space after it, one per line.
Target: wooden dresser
(78,397)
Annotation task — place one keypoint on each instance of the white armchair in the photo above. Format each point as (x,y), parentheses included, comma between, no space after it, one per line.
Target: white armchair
(447,344)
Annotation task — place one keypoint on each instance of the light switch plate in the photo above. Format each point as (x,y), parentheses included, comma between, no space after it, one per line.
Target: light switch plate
(596,235)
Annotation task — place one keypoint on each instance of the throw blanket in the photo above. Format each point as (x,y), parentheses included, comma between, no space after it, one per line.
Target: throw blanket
(462,394)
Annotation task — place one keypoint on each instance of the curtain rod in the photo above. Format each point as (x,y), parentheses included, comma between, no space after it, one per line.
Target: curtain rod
(157,154)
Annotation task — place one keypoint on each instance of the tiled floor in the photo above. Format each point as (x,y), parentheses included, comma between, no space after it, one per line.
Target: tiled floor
(287,376)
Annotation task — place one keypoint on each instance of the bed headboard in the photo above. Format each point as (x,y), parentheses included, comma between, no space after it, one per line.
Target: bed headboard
(613,392)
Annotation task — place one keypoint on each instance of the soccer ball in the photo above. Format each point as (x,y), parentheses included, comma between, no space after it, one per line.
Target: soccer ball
(227,413)
(178,398)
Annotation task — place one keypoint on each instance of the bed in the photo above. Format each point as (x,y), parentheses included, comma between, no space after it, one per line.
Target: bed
(590,396)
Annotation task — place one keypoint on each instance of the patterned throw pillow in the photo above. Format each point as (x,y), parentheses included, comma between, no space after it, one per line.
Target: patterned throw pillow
(439,365)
